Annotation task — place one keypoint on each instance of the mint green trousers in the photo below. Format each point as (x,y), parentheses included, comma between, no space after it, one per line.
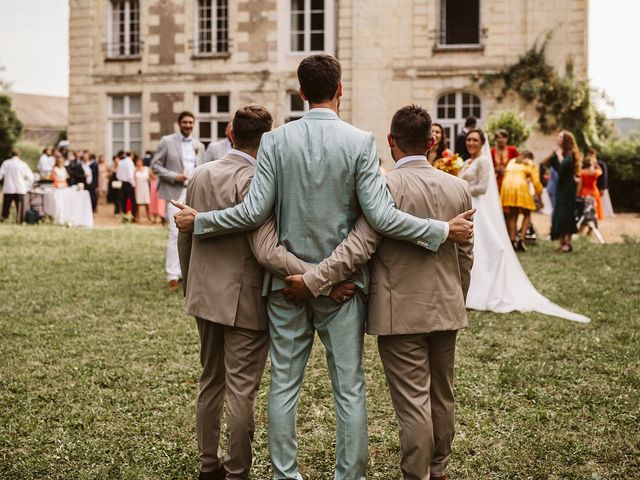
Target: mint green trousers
(292,327)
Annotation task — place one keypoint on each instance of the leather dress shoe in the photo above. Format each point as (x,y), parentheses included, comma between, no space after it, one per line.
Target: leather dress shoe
(219,474)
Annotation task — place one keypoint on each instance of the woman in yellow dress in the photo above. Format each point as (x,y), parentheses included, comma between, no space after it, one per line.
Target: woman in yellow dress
(516,196)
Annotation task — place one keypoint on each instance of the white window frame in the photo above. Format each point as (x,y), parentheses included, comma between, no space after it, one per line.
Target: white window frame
(214,116)
(113,44)
(291,114)
(329,28)
(127,118)
(197,50)
(442,29)
(453,126)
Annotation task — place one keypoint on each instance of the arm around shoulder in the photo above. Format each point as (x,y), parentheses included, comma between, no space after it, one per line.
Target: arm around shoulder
(379,208)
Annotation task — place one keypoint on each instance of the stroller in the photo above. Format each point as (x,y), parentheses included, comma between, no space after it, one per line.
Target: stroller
(585,215)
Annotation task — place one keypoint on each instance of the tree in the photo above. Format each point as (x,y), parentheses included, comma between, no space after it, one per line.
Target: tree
(10,127)
(560,101)
(511,121)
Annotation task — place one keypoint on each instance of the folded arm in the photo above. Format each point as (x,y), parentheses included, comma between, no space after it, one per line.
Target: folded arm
(254,209)
(158,165)
(380,211)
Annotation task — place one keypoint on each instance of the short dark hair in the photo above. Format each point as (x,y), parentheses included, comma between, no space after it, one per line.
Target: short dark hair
(527,154)
(185,114)
(319,76)
(15,152)
(501,132)
(411,129)
(471,122)
(120,154)
(249,124)
(483,137)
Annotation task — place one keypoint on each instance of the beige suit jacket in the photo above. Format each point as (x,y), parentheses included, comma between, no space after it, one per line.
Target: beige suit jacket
(223,276)
(413,290)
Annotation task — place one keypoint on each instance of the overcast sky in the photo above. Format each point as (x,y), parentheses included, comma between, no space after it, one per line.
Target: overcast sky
(34,49)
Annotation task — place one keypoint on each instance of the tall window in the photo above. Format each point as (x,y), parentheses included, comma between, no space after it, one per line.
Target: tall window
(124,32)
(212,27)
(125,123)
(212,117)
(296,107)
(459,22)
(308,25)
(453,108)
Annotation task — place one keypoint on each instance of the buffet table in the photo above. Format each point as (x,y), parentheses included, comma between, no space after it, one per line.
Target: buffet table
(67,206)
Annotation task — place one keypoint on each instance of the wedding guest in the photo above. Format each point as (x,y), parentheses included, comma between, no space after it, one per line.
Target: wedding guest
(143,195)
(502,153)
(103,179)
(59,174)
(589,175)
(461,140)
(440,148)
(46,163)
(126,174)
(76,171)
(177,157)
(90,167)
(115,186)
(148,157)
(566,159)
(17,179)
(516,197)
(219,149)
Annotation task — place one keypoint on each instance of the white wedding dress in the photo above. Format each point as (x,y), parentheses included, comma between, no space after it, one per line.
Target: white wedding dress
(498,282)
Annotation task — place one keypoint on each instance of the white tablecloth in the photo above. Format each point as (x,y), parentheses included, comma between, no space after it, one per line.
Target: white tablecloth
(68,206)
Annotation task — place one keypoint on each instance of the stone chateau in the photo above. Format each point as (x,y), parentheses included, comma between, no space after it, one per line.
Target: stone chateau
(136,63)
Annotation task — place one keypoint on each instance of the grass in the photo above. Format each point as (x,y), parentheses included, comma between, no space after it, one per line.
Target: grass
(99,370)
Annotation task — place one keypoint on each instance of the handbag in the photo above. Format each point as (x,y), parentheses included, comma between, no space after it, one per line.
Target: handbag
(116,184)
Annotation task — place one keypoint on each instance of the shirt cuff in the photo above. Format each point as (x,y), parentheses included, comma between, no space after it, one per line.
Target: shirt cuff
(446,233)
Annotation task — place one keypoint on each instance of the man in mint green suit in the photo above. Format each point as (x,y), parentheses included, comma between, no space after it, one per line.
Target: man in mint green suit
(317,174)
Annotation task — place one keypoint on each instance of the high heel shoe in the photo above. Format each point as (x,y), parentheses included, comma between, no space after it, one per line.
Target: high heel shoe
(521,246)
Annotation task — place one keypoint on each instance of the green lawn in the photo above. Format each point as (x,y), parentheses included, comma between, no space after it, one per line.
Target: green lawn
(99,369)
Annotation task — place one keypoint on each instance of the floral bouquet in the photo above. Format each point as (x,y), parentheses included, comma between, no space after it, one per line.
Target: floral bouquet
(449,163)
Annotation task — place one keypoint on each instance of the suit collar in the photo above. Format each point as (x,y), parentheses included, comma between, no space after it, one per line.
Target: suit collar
(245,156)
(321,114)
(413,161)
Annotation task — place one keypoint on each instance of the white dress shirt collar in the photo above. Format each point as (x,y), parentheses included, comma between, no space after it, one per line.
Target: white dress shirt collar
(244,155)
(410,158)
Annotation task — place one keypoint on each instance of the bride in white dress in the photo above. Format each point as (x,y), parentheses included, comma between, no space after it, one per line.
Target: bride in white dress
(498,282)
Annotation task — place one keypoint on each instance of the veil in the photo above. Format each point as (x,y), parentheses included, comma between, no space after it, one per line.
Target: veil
(498,282)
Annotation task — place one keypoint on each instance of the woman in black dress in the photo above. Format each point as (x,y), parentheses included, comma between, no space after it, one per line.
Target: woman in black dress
(566,159)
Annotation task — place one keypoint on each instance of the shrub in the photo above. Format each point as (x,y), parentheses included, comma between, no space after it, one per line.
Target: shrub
(511,121)
(623,164)
(10,127)
(30,153)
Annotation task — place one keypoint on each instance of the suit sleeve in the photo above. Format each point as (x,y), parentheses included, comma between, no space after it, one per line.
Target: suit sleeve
(208,154)
(465,251)
(354,251)
(256,207)
(159,162)
(185,240)
(380,211)
(263,242)
(480,187)
(272,255)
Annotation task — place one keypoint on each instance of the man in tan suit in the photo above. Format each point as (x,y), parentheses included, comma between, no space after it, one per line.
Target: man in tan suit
(223,279)
(416,297)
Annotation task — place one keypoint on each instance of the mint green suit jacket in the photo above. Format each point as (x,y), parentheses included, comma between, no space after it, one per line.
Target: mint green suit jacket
(318,174)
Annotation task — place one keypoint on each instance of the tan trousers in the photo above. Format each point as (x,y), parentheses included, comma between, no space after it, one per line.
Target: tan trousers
(419,370)
(232,359)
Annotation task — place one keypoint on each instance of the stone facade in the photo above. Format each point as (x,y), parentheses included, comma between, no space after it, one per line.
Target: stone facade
(389,52)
